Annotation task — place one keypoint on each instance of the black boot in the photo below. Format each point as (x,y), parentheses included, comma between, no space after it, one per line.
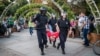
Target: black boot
(42,51)
(58,46)
(54,44)
(63,51)
(50,41)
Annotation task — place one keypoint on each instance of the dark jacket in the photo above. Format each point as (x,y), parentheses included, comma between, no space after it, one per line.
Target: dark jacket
(40,20)
(63,24)
(52,22)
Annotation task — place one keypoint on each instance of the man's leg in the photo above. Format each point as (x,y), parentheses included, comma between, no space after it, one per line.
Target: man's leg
(50,40)
(86,42)
(54,43)
(44,38)
(59,44)
(30,30)
(62,45)
(62,42)
(41,45)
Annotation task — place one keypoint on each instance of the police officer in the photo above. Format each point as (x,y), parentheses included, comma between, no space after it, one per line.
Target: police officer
(64,25)
(41,20)
(52,22)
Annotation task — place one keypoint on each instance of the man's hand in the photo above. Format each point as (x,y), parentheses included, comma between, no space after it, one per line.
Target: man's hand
(57,28)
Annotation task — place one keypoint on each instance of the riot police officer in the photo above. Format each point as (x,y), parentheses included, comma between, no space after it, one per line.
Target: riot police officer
(52,22)
(64,25)
(41,21)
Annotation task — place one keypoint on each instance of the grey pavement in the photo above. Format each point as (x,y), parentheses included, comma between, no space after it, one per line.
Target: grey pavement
(22,44)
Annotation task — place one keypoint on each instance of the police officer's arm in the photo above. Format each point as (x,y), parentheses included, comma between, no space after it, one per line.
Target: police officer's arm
(49,21)
(57,26)
(46,23)
(69,25)
(35,18)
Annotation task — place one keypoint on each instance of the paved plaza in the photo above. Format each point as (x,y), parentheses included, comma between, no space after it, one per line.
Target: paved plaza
(22,44)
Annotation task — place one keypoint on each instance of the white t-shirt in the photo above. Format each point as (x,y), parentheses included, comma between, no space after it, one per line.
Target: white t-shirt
(80,21)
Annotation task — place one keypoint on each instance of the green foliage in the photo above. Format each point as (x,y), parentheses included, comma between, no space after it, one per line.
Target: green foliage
(56,0)
(60,2)
(3,4)
(31,13)
(13,8)
(66,8)
(31,6)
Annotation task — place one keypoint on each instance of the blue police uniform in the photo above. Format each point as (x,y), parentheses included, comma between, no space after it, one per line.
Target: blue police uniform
(64,25)
(41,21)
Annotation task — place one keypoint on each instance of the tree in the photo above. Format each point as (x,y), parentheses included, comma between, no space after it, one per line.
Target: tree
(3,4)
(19,3)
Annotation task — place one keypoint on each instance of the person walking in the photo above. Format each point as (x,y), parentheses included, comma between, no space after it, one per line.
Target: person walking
(80,24)
(10,23)
(31,26)
(41,21)
(64,25)
(86,26)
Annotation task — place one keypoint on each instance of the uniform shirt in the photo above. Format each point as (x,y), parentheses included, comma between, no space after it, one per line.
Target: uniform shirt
(63,24)
(52,22)
(41,21)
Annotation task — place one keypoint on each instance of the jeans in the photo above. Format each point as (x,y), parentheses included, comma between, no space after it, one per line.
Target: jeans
(85,33)
(31,30)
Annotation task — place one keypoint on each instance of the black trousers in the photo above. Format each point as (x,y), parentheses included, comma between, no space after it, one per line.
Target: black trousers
(42,38)
(62,37)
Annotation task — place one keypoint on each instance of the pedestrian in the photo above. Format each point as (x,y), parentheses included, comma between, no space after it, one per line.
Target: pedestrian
(41,21)
(2,29)
(52,22)
(64,25)
(10,23)
(31,26)
(80,24)
(86,25)
(72,28)
(21,22)
(92,21)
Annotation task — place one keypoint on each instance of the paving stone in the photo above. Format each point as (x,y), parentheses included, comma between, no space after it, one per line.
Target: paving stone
(22,44)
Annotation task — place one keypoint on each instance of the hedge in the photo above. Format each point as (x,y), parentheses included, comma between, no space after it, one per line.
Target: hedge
(31,6)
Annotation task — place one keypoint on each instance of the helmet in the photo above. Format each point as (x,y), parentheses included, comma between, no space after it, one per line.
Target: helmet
(43,9)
